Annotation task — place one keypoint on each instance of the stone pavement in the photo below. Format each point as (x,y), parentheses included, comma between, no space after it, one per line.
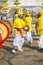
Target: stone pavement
(30,56)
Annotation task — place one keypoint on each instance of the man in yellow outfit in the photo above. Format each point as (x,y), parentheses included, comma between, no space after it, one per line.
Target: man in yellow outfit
(40,28)
(19,37)
(28,22)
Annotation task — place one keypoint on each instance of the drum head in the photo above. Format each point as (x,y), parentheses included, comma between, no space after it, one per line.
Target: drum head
(26,28)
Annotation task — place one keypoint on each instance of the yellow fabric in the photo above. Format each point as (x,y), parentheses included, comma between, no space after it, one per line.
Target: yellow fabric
(18,23)
(17,7)
(20,12)
(28,21)
(40,12)
(5,8)
(18,32)
(28,13)
(40,25)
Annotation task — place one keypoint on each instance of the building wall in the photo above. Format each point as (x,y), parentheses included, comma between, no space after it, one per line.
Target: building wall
(27,0)
(39,0)
(31,0)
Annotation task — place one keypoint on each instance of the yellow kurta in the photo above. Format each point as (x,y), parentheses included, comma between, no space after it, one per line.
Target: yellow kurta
(28,21)
(40,25)
(19,23)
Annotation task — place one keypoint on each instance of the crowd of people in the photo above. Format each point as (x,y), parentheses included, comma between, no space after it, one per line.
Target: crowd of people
(23,28)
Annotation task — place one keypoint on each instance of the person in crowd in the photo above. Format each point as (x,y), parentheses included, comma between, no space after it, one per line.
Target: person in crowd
(4,16)
(39,28)
(28,22)
(20,34)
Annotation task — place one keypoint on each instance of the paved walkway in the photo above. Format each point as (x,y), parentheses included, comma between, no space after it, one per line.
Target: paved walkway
(30,56)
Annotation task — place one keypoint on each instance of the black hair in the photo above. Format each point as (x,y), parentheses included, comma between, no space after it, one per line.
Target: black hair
(38,15)
(26,16)
(15,12)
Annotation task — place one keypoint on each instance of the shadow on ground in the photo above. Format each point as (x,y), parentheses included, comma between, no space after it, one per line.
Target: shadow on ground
(7,48)
(31,47)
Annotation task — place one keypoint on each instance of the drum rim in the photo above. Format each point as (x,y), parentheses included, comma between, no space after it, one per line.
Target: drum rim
(2,22)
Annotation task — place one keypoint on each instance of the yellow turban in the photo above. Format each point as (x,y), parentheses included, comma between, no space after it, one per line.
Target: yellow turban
(40,12)
(5,8)
(28,13)
(20,12)
(17,7)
